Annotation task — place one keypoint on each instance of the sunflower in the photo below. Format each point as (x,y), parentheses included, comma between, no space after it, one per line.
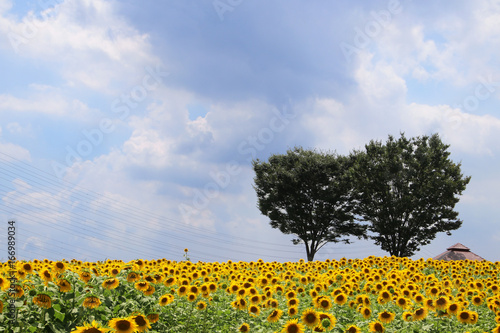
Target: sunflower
(91,328)
(27,267)
(403,302)
(407,316)
(150,291)
(477,300)
(212,287)
(141,322)
(166,299)
(441,303)
(240,304)
(64,285)
(273,303)
(453,308)
(293,302)
(132,277)
(419,298)
(255,299)
(326,321)
(46,276)
(153,317)
(191,297)
(340,299)
(194,289)
(183,290)
(376,326)
(433,292)
(4,283)
(85,276)
(291,294)
(123,325)
(429,304)
(310,318)
(464,317)
(366,312)
(91,302)
(141,285)
(293,326)
(353,329)
(384,297)
(254,310)
(110,283)
(420,313)
(323,302)
(43,300)
(274,316)
(244,328)
(386,316)
(293,311)
(59,267)
(474,317)
(496,329)
(16,291)
(21,274)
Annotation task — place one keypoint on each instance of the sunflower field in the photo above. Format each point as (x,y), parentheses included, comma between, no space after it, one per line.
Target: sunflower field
(375,294)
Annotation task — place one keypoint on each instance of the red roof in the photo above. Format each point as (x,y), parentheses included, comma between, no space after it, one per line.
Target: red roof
(458,252)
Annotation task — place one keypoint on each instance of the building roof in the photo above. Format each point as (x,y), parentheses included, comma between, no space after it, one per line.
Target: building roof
(458,252)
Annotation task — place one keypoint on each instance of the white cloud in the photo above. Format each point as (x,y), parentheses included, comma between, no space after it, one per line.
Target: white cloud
(87,41)
(48,103)
(379,82)
(14,152)
(473,134)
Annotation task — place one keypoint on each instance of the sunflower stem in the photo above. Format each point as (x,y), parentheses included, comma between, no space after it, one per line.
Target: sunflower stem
(42,322)
(189,318)
(205,319)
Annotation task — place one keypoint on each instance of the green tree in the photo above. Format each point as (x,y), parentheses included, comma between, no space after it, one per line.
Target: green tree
(407,190)
(307,193)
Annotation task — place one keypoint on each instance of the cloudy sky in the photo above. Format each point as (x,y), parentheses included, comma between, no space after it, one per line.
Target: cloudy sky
(127,129)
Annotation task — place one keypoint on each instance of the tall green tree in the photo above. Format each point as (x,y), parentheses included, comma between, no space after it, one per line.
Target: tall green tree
(307,193)
(407,189)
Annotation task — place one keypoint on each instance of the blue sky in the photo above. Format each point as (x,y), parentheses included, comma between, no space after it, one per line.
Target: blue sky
(127,130)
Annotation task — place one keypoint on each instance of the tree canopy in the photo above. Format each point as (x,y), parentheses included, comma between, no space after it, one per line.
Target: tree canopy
(407,189)
(308,194)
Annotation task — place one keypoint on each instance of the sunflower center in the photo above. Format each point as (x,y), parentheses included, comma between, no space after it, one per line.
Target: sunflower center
(139,320)
(92,330)
(123,325)
(293,329)
(310,318)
